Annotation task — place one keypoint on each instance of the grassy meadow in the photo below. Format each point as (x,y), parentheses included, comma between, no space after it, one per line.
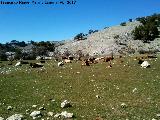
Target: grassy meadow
(139,88)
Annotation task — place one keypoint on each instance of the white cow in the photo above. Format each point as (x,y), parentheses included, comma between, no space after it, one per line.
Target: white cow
(145,64)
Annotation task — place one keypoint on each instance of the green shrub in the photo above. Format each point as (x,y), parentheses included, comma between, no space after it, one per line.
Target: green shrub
(123,24)
(116,37)
(148,31)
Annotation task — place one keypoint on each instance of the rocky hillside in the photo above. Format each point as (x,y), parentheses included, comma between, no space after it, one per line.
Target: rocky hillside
(117,39)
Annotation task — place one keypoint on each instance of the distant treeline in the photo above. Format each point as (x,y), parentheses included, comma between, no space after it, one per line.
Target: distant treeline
(23,50)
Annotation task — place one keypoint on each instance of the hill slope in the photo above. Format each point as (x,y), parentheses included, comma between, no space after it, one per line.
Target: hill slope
(117,39)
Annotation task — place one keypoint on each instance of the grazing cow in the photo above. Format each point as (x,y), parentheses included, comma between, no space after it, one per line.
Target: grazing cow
(85,63)
(60,63)
(36,65)
(67,61)
(145,64)
(107,59)
(98,59)
(91,60)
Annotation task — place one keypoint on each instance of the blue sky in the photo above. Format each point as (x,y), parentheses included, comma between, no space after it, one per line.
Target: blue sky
(59,22)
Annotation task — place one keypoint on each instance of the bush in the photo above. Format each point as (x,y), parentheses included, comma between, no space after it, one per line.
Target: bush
(80,36)
(131,51)
(123,24)
(116,37)
(146,33)
(130,20)
(3,56)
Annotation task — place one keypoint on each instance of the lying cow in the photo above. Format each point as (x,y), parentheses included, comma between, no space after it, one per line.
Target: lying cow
(98,59)
(67,61)
(36,65)
(145,64)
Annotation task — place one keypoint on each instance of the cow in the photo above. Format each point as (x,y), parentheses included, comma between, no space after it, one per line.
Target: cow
(67,61)
(145,64)
(85,63)
(98,59)
(107,59)
(91,60)
(36,65)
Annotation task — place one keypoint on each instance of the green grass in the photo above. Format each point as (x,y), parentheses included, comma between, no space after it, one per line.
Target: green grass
(23,87)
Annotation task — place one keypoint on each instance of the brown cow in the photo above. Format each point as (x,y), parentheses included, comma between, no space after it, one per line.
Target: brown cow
(85,63)
(91,60)
(107,59)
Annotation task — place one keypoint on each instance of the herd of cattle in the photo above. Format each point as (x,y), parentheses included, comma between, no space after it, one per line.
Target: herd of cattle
(93,60)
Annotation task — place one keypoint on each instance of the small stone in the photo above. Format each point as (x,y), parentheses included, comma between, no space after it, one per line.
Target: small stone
(36,114)
(53,100)
(58,115)
(158,115)
(65,104)
(50,114)
(27,111)
(65,114)
(15,117)
(154,119)
(97,96)
(123,105)
(9,108)
(34,106)
(134,90)
(42,108)
(1,118)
